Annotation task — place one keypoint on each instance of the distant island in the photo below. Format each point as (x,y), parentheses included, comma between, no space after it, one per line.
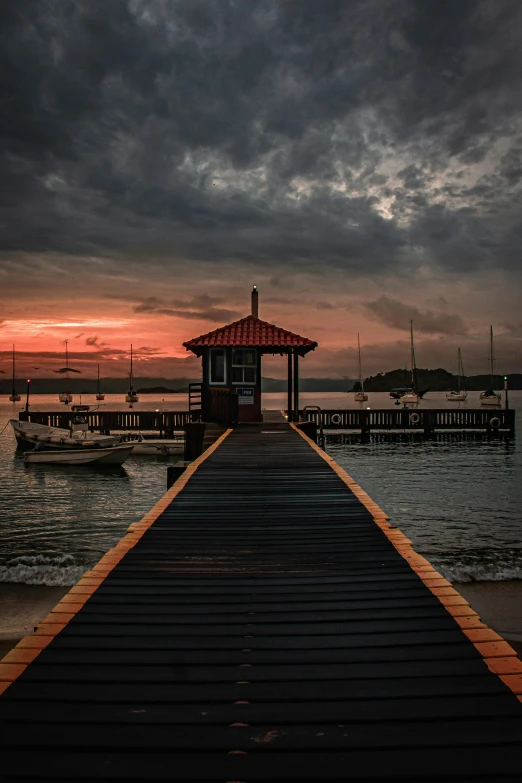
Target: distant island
(435,380)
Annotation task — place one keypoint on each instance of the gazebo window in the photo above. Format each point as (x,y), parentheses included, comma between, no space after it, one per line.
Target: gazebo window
(217,365)
(243,365)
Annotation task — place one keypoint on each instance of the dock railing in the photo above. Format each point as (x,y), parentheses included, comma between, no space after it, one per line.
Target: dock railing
(426,420)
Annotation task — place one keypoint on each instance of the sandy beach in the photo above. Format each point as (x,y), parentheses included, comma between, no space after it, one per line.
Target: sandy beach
(21,608)
(499,605)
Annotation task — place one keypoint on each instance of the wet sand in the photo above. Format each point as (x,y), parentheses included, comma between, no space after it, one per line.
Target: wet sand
(499,605)
(21,608)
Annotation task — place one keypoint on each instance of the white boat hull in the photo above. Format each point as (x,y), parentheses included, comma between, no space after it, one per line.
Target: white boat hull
(28,434)
(114,456)
(461,396)
(360,396)
(65,397)
(131,398)
(158,447)
(410,398)
(15,398)
(100,397)
(491,400)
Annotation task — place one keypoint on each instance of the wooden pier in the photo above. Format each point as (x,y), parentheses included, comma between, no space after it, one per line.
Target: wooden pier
(362,420)
(264,622)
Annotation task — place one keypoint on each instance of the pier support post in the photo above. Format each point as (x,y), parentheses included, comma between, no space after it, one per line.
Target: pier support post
(290,389)
(309,428)
(174,472)
(194,433)
(296,386)
(365,425)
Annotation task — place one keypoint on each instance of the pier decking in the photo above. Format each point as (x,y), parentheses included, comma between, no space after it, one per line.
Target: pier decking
(264,622)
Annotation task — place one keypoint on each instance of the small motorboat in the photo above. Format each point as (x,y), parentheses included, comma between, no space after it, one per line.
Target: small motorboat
(29,434)
(97,456)
(157,447)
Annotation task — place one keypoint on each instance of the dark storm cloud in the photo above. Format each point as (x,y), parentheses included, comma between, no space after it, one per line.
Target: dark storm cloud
(202,307)
(221,131)
(397,315)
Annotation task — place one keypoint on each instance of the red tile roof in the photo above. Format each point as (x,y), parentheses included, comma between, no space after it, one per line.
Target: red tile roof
(251,332)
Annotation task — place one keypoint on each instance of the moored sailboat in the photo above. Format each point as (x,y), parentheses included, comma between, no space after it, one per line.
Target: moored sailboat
(14,397)
(458,394)
(99,394)
(66,397)
(360,395)
(131,395)
(490,396)
(411,397)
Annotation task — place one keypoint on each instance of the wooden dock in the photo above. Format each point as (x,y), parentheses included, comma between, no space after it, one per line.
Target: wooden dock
(362,420)
(264,622)
(416,419)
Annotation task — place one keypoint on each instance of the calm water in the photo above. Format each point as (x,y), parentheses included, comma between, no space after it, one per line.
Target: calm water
(458,497)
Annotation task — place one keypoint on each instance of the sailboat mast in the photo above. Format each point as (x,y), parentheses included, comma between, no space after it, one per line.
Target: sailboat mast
(130,376)
(360,367)
(14,390)
(491,358)
(98,384)
(412,357)
(459,365)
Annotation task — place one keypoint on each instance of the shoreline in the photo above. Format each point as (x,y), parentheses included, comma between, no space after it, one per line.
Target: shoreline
(22,607)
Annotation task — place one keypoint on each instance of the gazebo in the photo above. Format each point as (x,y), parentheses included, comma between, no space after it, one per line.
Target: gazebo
(231,359)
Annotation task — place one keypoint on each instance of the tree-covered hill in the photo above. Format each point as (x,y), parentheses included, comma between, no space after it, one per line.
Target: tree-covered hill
(436,380)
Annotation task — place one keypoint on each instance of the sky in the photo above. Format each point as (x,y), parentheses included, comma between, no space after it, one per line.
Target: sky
(360,161)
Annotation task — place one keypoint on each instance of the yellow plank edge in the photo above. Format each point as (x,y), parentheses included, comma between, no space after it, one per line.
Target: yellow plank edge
(497,654)
(17,659)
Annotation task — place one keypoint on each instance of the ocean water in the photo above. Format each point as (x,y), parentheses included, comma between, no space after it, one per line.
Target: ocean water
(458,496)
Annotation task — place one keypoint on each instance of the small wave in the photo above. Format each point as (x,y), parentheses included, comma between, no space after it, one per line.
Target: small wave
(485,566)
(59,571)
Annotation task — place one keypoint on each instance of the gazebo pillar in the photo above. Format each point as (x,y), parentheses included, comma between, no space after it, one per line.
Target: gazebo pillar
(289,403)
(296,385)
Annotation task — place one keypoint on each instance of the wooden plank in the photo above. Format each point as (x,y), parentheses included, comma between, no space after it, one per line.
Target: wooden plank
(313,712)
(498,760)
